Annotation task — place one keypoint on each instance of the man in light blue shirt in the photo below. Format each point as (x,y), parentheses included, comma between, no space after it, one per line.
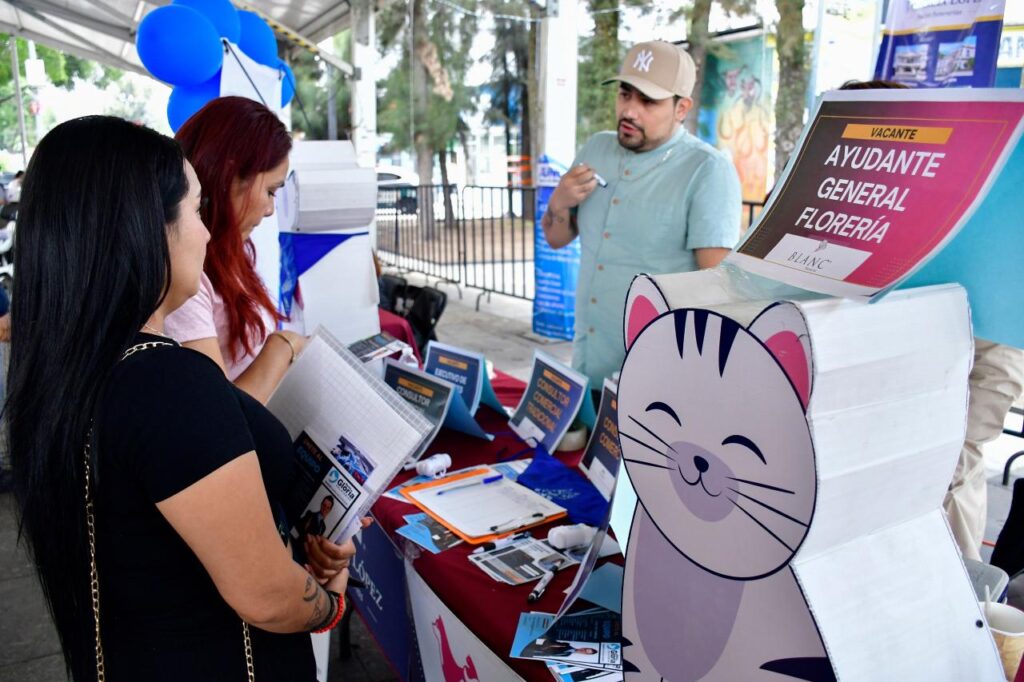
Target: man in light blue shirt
(647,198)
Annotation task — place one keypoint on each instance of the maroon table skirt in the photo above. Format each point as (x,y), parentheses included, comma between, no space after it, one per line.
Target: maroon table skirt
(489,609)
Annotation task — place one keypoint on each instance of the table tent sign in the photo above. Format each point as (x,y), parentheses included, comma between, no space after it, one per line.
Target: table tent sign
(786,461)
(467,371)
(555,396)
(883,181)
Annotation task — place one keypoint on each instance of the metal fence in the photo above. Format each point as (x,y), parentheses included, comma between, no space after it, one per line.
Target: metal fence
(482,237)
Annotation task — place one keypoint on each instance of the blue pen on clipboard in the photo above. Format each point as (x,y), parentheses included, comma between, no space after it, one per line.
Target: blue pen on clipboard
(489,479)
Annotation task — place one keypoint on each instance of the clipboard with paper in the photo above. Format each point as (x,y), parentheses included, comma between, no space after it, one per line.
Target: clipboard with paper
(480,512)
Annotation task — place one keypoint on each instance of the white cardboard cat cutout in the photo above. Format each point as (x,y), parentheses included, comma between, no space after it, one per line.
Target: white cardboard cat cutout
(760,548)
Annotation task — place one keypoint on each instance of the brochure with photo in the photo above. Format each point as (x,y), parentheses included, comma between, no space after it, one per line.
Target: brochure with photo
(590,639)
(352,434)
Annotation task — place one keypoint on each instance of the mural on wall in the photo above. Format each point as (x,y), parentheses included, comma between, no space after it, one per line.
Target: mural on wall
(693,464)
(736,109)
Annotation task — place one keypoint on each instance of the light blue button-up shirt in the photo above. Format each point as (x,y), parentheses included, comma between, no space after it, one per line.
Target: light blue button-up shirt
(658,207)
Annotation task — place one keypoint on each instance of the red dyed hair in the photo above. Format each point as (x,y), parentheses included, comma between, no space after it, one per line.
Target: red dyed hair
(234,138)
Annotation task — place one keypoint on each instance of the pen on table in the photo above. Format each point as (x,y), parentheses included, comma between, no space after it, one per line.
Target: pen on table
(548,576)
(500,542)
(489,479)
(516,522)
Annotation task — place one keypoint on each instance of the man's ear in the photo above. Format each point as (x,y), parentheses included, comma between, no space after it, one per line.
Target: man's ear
(683,107)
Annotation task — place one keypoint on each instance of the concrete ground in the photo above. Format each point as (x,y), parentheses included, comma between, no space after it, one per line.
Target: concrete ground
(501,329)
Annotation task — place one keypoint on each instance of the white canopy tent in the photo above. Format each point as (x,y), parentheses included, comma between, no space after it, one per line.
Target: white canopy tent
(104,30)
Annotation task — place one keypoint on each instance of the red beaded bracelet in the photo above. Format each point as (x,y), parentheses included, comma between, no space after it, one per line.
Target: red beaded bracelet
(337,615)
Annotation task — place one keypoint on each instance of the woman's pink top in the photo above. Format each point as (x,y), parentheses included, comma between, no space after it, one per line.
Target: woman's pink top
(203,317)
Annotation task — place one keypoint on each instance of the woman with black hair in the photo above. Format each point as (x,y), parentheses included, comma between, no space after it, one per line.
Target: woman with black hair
(148,486)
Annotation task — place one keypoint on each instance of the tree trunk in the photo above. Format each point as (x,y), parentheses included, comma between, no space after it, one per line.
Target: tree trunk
(421,139)
(700,17)
(789,105)
(446,189)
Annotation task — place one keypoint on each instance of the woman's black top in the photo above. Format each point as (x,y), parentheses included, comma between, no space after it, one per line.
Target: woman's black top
(167,418)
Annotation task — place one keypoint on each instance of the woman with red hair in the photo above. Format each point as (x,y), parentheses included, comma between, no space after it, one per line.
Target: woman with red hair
(239,149)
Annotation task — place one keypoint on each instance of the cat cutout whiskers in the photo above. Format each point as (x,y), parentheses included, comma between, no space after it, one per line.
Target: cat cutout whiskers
(716,443)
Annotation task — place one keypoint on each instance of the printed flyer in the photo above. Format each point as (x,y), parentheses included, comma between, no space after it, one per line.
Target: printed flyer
(882,180)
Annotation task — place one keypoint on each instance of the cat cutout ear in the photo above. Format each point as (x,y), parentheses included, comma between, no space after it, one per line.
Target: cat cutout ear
(782,328)
(644,302)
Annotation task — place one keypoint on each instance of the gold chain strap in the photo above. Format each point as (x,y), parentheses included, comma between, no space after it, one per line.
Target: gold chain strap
(249,668)
(94,576)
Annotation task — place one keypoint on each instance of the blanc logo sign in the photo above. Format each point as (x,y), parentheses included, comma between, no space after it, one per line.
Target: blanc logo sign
(643,60)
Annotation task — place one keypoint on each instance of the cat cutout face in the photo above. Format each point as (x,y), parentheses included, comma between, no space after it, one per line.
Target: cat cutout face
(713,430)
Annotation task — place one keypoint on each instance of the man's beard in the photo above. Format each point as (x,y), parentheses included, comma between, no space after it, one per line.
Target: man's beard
(634,142)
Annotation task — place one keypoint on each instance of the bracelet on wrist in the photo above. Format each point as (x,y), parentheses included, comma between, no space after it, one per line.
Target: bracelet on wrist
(339,610)
(291,345)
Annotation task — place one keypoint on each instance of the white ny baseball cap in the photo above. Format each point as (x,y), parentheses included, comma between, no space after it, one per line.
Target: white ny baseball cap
(658,69)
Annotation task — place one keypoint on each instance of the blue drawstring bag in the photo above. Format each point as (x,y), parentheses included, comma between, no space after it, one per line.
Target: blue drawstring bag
(550,478)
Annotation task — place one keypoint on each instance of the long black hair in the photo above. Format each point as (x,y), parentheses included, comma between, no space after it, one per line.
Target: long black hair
(92,265)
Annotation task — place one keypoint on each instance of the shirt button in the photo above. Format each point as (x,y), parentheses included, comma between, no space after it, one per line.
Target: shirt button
(626,172)
(593,300)
(607,235)
(591,330)
(615,201)
(600,267)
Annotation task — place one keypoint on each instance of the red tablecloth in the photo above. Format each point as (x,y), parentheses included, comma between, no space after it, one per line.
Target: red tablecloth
(399,328)
(489,609)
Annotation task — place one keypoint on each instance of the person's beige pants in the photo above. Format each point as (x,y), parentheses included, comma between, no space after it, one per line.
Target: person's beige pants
(997,379)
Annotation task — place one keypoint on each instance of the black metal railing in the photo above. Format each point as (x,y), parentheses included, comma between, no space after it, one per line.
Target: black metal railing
(482,237)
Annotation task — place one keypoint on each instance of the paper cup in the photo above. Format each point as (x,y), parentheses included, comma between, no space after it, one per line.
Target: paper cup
(1007,626)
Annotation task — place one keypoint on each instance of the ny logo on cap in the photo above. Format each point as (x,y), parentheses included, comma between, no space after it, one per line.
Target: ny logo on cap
(643,60)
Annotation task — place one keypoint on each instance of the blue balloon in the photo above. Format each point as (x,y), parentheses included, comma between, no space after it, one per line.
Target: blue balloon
(179,45)
(287,83)
(188,99)
(221,13)
(257,39)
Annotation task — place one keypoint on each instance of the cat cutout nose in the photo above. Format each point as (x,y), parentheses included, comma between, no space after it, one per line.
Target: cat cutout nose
(700,463)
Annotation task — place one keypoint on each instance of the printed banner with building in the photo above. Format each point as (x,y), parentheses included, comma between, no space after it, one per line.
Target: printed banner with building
(941,43)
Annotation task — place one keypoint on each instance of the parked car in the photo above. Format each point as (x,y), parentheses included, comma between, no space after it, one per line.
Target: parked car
(396,189)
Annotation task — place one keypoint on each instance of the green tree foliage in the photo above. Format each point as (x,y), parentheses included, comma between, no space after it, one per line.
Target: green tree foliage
(599,58)
(62,70)
(422,101)
(309,108)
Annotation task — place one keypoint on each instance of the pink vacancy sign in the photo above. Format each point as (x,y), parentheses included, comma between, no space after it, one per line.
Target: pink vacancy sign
(880,182)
